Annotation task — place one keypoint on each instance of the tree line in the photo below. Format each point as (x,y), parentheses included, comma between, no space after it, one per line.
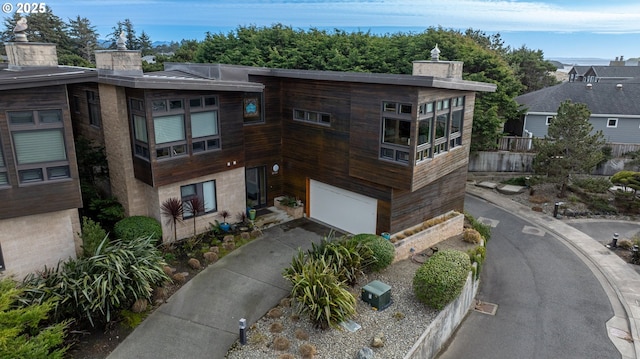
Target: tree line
(486,58)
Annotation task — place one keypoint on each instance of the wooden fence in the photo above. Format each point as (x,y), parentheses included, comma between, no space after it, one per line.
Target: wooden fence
(525,144)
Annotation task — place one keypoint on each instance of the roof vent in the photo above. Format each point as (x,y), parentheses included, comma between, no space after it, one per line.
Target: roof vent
(619,86)
(589,86)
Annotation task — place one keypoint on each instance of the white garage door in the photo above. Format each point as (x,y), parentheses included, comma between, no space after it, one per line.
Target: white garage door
(348,211)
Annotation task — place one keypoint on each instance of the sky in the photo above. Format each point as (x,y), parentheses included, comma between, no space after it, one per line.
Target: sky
(560,28)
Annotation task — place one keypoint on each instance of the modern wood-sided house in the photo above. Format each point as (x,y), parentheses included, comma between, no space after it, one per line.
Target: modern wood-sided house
(364,152)
(39,185)
(614,108)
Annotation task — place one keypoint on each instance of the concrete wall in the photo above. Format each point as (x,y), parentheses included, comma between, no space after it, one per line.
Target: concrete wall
(441,329)
(501,161)
(31,242)
(429,237)
(230,196)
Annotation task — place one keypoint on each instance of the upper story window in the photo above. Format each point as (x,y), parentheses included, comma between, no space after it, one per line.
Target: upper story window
(439,127)
(549,120)
(39,145)
(180,126)
(396,131)
(312,116)
(4,179)
(612,122)
(94,108)
(139,125)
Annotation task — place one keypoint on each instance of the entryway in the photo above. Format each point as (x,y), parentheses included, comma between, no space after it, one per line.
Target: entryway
(256,184)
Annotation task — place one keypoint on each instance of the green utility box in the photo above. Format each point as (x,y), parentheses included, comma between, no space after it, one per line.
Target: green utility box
(377,294)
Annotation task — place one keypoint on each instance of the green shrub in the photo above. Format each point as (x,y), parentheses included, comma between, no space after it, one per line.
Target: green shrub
(22,333)
(516,181)
(318,292)
(483,229)
(440,279)
(92,235)
(477,255)
(383,250)
(138,226)
(470,235)
(345,258)
(117,275)
(593,184)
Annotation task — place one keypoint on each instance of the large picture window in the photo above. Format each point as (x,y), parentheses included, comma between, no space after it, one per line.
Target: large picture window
(440,126)
(170,136)
(396,131)
(204,131)
(205,192)
(39,145)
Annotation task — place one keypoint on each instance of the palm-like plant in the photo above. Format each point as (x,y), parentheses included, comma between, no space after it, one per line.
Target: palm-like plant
(173,209)
(195,206)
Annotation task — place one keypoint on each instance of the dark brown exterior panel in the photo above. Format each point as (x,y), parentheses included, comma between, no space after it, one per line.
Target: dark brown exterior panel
(438,197)
(43,197)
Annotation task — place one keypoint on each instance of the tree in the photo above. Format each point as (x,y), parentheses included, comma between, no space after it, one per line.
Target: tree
(627,179)
(533,71)
(22,334)
(145,44)
(84,37)
(570,147)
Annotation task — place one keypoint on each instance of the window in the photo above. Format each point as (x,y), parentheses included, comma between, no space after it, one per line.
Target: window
(314,117)
(94,108)
(205,192)
(39,145)
(612,122)
(4,179)
(170,136)
(549,120)
(139,126)
(396,131)
(439,130)
(252,108)
(204,131)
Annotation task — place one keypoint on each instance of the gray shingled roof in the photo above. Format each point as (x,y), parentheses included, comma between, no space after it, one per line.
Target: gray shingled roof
(603,72)
(602,98)
(44,76)
(579,70)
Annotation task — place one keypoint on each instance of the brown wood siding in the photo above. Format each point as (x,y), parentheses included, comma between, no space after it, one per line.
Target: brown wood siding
(263,141)
(47,196)
(80,112)
(167,171)
(438,197)
(366,129)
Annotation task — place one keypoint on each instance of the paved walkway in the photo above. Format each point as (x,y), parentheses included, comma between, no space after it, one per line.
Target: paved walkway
(620,277)
(201,319)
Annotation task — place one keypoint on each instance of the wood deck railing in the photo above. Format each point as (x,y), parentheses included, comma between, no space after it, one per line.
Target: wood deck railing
(525,144)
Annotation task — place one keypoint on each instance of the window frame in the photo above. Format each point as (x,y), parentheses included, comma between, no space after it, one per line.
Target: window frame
(615,125)
(137,109)
(313,117)
(199,191)
(397,152)
(39,172)
(452,111)
(209,142)
(549,120)
(93,108)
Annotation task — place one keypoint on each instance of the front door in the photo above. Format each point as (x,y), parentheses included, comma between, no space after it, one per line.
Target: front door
(256,180)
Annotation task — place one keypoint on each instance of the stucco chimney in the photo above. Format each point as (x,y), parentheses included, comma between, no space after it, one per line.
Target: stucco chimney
(437,68)
(22,53)
(120,61)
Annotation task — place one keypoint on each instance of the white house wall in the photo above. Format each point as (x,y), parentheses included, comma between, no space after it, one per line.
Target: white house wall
(30,243)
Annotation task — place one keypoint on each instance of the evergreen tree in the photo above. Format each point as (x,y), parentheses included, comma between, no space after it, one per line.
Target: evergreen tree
(569,147)
(125,26)
(531,69)
(84,37)
(145,44)
(22,334)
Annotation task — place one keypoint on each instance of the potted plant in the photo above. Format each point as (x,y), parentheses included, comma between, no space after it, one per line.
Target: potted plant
(224,225)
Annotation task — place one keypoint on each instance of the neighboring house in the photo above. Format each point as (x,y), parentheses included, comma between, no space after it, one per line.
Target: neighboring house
(615,109)
(577,73)
(611,73)
(364,152)
(39,184)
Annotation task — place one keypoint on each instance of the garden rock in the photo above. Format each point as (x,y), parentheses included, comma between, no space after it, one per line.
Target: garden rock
(229,245)
(194,263)
(378,340)
(160,294)
(139,305)
(228,238)
(180,277)
(245,235)
(365,353)
(214,249)
(168,270)
(210,257)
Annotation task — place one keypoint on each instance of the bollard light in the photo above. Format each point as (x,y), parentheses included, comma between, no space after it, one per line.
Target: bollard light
(243,331)
(614,241)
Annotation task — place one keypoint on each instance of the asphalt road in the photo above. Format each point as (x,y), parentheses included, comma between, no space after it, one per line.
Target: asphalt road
(550,305)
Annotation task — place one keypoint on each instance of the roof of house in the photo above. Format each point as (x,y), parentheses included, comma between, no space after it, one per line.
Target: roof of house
(15,78)
(615,72)
(579,70)
(602,98)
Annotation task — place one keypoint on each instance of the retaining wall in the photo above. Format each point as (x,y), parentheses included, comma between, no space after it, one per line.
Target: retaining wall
(429,237)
